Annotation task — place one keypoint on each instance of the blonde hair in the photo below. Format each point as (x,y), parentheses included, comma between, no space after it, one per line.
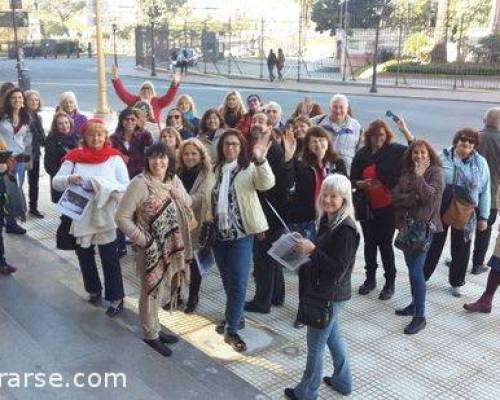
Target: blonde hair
(91,126)
(173,131)
(240,108)
(189,100)
(206,161)
(32,92)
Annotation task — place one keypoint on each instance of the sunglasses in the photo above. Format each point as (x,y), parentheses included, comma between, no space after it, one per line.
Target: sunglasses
(174,116)
(465,139)
(130,119)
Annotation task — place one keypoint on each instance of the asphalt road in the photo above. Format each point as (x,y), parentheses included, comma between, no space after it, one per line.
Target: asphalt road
(435,120)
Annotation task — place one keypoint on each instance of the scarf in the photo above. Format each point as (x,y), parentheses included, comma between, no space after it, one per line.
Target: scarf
(87,155)
(223,200)
(469,177)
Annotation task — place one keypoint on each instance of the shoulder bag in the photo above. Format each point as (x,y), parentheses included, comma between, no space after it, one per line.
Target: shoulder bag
(460,209)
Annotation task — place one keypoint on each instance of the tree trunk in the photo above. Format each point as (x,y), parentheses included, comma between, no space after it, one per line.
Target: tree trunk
(438,53)
(495,16)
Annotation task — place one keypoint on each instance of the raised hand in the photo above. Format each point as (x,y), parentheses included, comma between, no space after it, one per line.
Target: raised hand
(176,78)
(261,147)
(290,145)
(421,167)
(114,71)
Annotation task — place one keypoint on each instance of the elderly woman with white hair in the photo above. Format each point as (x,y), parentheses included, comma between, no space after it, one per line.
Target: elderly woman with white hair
(489,148)
(68,104)
(346,132)
(327,282)
(274,113)
(147,93)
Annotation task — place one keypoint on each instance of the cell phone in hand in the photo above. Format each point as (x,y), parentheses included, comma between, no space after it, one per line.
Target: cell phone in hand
(390,114)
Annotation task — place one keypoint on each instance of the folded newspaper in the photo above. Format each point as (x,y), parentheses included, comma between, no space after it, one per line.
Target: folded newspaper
(284,251)
(75,201)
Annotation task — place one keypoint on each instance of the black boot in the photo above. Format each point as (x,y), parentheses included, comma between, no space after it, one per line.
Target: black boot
(408,311)
(415,326)
(191,305)
(368,285)
(159,347)
(387,291)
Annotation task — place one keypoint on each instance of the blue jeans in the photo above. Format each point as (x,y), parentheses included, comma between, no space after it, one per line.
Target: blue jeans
(317,340)
(415,263)
(121,240)
(3,263)
(20,171)
(233,259)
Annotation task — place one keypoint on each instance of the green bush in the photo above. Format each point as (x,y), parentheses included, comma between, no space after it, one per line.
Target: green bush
(418,45)
(445,69)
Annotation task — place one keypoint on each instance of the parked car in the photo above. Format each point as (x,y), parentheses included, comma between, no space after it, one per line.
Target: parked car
(192,57)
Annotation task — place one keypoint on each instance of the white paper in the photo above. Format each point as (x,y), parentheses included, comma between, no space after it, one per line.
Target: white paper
(284,251)
(75,201)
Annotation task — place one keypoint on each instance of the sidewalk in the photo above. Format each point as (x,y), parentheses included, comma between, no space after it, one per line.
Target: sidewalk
(456,357)
(319,86)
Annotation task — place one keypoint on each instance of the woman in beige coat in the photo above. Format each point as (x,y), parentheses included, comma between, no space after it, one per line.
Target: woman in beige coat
(195,172)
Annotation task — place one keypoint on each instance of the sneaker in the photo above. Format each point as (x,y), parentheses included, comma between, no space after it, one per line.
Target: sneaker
(15,230)
(37,214)
(478,269)
(456,291)
(166,338)
(408,311)
(252,306)
(236,342)
(329,382)
(387,291)
(483,305)
(290,394)
(7,269)
(415,326)
(159,347)
(367,286)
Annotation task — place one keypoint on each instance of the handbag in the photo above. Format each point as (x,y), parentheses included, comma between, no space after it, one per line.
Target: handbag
(413,237)
(208,234)
(64,239)
(315,311)
(459,210)
(13,200)
(362,208)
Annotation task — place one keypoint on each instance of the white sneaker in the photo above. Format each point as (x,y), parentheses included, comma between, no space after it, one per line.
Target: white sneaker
(456,291)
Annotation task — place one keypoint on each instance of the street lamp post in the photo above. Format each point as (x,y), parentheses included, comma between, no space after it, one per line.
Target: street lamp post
(114,27)
(379,9)
(23,79)
(153,14)
(102,109)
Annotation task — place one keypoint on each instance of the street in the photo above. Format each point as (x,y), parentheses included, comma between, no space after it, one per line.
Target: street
(435,120)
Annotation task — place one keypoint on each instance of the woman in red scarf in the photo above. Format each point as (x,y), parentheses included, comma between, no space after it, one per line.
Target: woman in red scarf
(97,167)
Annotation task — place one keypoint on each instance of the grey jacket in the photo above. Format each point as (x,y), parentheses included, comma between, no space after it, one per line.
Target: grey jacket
(489,148)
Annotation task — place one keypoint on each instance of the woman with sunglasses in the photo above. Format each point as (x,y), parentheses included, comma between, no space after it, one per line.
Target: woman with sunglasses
(177,120)
(467,177)
(147,93)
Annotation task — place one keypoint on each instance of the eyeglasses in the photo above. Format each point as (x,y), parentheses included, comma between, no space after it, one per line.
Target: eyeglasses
(232,144)
(176,116)
(133,119)
(466,139)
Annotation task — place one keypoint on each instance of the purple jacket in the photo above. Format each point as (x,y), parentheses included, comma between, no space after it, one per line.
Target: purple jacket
(78,120)
(134,155)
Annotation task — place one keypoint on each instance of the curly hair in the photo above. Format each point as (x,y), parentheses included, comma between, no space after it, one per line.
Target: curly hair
(208,113)
(408,163)
(308,157)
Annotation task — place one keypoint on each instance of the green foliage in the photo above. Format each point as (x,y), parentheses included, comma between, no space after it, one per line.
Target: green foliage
(417,45)
(168,11)
(460,69)
(59,16)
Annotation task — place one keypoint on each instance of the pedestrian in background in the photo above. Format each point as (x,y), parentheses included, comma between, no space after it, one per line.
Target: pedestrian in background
(280,63)
(272,60)
(489,148)
(328,277)
(417,200)
(38,132)
(99,168)
(467,179)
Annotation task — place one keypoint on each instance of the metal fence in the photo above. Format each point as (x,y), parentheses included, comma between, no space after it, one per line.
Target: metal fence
(413,50)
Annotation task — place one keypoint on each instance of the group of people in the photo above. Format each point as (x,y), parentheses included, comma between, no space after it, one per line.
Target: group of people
(275,61)
(224,182)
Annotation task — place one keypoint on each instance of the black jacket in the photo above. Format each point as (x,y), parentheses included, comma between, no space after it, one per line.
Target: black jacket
(388,161)
(300,181)
(328,274)
(38,133)
(56,148)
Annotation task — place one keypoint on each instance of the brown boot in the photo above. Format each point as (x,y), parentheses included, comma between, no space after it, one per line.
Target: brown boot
(483,305)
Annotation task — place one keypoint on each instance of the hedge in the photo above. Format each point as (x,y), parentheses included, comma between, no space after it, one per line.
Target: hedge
(444,69)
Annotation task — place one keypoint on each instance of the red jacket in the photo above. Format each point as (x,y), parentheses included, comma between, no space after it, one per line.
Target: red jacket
(244,125)
(158,103)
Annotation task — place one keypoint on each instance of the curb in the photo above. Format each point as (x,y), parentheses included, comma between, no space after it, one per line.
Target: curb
(318,82)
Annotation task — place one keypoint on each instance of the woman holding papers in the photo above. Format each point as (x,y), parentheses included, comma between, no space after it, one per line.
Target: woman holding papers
(154,213)
(195,172)
(98,168)
(238,216)
(326,280)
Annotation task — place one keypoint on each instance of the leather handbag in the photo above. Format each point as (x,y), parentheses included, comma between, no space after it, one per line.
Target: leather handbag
(13,200)
(315,311)
(362,208)
(413,237)
(64,239)
(459,210)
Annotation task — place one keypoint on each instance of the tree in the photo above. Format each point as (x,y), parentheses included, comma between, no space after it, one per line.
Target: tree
(60,15)
(327,14)
(167,10)
(438,52)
